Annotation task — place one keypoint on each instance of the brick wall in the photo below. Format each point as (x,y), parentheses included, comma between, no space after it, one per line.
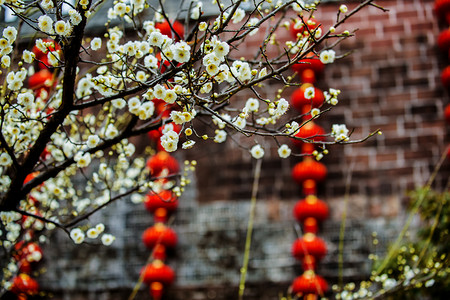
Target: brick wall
(389,82)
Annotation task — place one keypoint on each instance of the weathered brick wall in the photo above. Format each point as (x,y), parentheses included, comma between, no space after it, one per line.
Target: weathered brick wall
(389,82)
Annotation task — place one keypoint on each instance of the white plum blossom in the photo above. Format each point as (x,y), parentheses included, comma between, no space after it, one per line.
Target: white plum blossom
(92,141)
(221,136)
(96,43)
(53,58)
(257,151)
(310,92)
(284,151)
(45,24)
(83,160)
(181,52)
(63,28)
(108,239)
(238,15)
(315,112)
(28,56)
(282,107)
(339,132)
(75,17)
(156,39)
(111,131)
(252,104)
(5,159)
(252,23)
(327,56)
(77,235)
(188,144)
(92,233)
(169,141)
(196,10)
(10,33)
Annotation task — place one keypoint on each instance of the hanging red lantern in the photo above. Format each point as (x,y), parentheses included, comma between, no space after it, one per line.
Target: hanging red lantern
(311,62)
(24,284)
(309,283)
(165,29)
(309,169)
(157,271)
(442,9)
(298,27)
(309,244)
(311,206)
(447,113)
(41,79)
(445,77)
(301,104)
(310,131)
(444,40)
(162,161)
(165,199)
(159,234)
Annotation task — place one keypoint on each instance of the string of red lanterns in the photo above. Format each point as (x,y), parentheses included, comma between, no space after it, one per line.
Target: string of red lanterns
(162,203)
(442,10)
(28,253)
(309,212)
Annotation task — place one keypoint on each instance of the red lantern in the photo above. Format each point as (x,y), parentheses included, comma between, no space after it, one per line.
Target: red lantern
(24,284)
(165,29)
(298,27)
(447,113)
(311,206)
(444,40)
(445,77)
(161,161)
(165,199)
(41,79)
(157,271)
(309,283)
(309,169)
(442,9)
(309,244)
(311,62)
(159,234)
(301,104)
(310,225)
(310,131)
